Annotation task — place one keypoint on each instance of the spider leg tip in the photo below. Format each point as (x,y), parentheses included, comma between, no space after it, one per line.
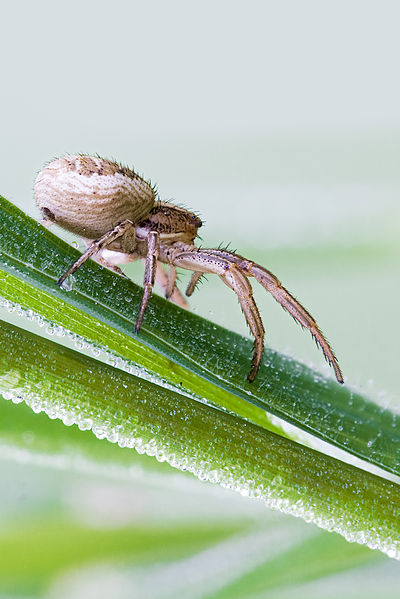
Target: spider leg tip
(339,378)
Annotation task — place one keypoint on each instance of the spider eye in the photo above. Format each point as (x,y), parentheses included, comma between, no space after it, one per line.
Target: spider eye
(197,221)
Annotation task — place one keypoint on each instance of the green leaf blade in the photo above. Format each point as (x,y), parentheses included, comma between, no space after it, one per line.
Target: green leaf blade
(213,445)
(186,350)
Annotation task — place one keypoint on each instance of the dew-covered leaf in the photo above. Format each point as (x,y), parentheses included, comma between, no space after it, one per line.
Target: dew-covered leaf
(213,445)
(183,349)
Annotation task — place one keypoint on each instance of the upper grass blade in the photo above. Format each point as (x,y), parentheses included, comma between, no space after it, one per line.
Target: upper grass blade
(185,349)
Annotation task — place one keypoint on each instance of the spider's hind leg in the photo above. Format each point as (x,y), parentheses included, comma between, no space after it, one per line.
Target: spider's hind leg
(111,259)
(96,246)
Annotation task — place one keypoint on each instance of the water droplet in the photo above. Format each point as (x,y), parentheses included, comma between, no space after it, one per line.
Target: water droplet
(68,284)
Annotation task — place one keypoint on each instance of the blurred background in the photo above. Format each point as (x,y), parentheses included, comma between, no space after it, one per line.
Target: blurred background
(279,122)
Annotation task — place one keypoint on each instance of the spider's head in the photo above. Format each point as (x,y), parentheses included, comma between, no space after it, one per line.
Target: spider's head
(190,223)
(195,220)
(174,222)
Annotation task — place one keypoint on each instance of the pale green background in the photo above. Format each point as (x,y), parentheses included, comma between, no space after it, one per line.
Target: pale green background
(278,121)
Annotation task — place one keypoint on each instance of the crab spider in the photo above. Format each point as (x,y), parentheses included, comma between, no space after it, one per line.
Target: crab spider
(118,214)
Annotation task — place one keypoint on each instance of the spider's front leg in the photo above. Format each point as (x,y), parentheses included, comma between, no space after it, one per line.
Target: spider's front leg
(241,286)
(200,262)
(273,285)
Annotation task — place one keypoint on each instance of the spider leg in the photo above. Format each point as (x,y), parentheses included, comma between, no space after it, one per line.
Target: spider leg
(149,275)
(241,286)
(231,275)
(110,259)
(195,278)
(171,281)
(272,284)
(96,246)
(114,267)
(46,222)
(162,279)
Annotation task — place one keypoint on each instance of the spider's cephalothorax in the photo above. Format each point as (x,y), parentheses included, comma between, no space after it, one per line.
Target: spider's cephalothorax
(103,201)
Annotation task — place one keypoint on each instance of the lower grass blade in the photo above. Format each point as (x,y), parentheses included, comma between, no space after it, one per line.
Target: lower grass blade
(192,436)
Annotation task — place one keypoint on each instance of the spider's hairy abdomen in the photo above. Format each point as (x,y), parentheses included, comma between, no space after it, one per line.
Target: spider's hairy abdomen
(90,195)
